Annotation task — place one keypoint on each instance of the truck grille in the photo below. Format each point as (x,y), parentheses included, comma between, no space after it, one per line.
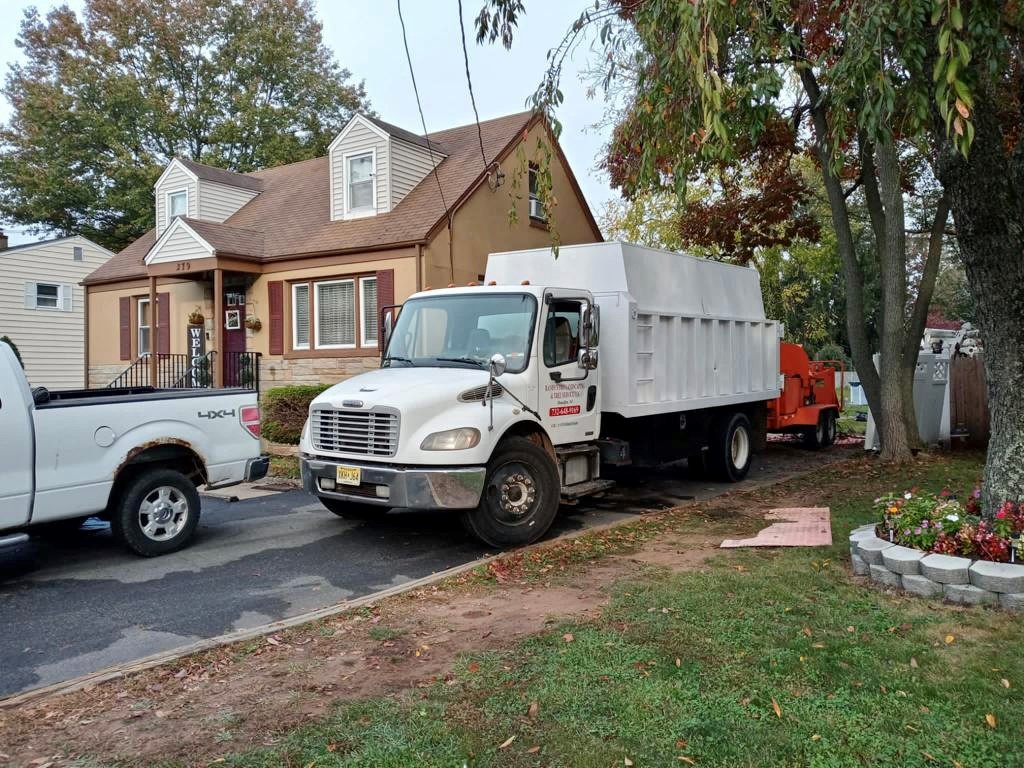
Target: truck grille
(368,433)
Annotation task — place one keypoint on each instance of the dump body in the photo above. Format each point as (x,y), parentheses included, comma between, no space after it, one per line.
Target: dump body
(678,333)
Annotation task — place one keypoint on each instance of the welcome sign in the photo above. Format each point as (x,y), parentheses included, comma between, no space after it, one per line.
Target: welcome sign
(197,355)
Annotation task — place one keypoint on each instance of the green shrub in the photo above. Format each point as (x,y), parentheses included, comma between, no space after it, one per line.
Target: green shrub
(832,352)
(285,410)
(14,347)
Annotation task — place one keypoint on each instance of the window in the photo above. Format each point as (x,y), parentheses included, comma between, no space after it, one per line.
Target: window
(335,314)
(77,253)
(48,296)
(360,183)
(144,326)
(177,204)
(300,316)
(562,333)
(536,208)
(368,310)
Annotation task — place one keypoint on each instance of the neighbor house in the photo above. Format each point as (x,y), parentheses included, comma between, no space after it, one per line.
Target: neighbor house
(42,306)
(285,271)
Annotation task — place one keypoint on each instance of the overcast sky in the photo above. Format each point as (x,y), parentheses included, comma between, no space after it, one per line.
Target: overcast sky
(366,38)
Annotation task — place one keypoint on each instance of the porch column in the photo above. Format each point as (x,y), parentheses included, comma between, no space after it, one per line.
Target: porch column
(218,327)
(153,315)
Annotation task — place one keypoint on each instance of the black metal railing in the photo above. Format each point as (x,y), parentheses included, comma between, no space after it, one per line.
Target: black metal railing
(241,369)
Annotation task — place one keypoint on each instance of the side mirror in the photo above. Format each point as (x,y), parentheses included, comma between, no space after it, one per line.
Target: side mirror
(389,327)
(588,359)
(497,364)
(591,326)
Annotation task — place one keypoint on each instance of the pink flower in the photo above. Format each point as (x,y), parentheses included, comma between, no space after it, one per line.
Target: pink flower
(977,493)
(1001,514)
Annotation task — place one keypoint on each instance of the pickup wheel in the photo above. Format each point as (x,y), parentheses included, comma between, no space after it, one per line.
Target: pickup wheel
(353,510)
(158,512)
(731,447)
(520,496)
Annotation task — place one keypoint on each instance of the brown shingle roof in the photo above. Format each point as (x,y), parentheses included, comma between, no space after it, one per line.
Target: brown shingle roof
(227,239)
(292,214)
(221,175)
(404,135)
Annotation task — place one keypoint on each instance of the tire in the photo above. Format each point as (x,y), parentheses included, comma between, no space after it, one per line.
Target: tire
(525,475)
(816,437)
(157,513)
(731,447)
(353,510)
(831,428)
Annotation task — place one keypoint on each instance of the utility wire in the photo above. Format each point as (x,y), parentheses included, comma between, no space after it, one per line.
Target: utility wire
(469,82)
(423,122)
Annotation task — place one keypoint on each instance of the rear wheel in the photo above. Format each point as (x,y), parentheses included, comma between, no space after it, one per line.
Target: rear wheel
(831,428)
(731,447)
(158,512)
(353,510)
(821,434)
(520,496)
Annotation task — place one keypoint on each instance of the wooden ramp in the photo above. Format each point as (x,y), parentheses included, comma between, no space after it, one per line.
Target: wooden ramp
(797,527)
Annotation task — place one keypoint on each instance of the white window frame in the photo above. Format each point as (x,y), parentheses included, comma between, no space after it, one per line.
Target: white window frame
(65,297)
(316,313)
(77,253)
(167,202)
(309,309)
(139,326)
(357,213)
(532,197)
(364,341)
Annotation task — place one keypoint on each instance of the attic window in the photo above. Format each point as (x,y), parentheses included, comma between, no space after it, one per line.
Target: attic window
(77,253)
(177,204)
(361,190)
(536,207)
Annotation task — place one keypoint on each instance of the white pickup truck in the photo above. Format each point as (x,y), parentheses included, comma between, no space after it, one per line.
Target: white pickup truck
(492,399)
(134,457)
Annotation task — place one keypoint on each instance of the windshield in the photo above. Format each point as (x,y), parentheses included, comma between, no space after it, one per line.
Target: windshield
(464,330)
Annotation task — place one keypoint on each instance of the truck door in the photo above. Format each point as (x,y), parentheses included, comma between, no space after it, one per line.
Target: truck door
(16,446)
(569,403)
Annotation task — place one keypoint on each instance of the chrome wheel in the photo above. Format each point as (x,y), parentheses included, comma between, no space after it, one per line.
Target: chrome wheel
(163,513)
(739,448)
(513,492)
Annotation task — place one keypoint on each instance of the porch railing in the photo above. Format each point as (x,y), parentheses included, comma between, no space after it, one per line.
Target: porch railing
(174,371)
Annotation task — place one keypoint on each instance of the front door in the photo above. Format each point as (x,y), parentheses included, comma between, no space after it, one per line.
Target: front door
(232,357)
(568,391)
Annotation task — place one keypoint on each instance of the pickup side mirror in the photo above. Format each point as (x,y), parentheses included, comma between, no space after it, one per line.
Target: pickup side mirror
(387,325)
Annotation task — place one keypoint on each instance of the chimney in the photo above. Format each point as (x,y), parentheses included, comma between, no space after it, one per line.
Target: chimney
(3,241)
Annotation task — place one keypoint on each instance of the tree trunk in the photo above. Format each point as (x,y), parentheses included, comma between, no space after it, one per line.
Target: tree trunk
(986,193)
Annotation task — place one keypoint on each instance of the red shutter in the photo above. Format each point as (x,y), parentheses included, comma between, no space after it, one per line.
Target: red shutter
(163,323)
(385,298)
(275,301)
(125,321)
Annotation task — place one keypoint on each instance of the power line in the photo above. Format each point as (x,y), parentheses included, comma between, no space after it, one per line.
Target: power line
(426,136)
(469,82)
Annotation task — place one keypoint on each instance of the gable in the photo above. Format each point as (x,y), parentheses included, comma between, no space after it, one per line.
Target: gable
(179,243)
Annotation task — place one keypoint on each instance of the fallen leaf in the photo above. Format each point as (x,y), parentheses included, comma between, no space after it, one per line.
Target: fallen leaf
(680,743)
(273,640)
(473,667)
(950,639)
(777,708)
(507,742)
(930,758)
(806,631)
(687,760)
(679,663)
(532,711)
(626,761)
(1005,682)
(851,629)
(991,720)
(816,737)
(913,663)
(567,637)
(533,750)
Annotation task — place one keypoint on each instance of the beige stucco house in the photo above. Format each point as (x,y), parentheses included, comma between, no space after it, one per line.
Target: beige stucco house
(295,263)
(42,306)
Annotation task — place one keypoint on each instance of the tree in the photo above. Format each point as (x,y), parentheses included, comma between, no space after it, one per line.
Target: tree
(651,219)
(105,100)
(715,90)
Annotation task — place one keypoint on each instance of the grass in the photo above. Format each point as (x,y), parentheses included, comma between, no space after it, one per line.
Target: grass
(284,466)
(762,658)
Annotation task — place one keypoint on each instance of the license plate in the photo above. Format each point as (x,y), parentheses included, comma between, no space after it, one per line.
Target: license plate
(349,475)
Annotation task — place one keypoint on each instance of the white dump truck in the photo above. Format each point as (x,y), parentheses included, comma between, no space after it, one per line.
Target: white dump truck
(500,400)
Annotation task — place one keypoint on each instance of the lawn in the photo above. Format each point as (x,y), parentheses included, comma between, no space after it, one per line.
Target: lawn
(770,657)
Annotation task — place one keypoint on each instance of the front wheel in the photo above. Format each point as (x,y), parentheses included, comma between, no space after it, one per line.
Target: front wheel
(353,510)
(158,513)
(520,496)
(731,447)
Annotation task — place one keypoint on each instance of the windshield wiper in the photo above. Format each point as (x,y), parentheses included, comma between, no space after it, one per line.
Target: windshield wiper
(389,358)
(470,360)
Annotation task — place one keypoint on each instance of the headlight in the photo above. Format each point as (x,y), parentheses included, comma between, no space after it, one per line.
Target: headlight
(452,440)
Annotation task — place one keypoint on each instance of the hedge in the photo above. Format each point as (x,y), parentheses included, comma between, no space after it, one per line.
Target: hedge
(285,410)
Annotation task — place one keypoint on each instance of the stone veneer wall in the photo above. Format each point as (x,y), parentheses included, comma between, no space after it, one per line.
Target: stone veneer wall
(101,375)
(279,372)
(957,579)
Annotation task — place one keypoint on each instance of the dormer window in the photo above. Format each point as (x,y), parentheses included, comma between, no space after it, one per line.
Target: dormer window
(177,204)
(536,207)
(361,187)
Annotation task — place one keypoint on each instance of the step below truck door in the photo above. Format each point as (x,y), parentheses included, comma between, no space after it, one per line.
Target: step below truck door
(569,385)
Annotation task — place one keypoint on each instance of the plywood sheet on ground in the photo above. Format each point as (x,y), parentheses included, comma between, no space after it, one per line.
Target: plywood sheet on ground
(796,527)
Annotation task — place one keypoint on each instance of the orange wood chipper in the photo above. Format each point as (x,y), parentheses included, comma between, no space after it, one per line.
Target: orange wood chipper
(809,404)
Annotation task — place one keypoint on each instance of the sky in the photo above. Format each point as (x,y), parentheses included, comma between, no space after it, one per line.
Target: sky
(366,38)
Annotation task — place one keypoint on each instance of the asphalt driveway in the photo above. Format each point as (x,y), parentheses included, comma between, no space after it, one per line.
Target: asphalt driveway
(78,604)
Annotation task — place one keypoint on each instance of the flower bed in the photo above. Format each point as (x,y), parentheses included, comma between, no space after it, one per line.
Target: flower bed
(934,546)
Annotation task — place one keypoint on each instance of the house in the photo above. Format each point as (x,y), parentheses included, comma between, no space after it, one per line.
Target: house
(285,271)
(42,306)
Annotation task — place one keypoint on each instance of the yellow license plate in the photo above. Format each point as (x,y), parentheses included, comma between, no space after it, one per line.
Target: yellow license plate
(349,475)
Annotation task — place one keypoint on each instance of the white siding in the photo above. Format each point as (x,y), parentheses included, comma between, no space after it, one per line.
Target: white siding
(359,138)
(51,342)
(180,245)
(175,180)
(219,201)
(409,166)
